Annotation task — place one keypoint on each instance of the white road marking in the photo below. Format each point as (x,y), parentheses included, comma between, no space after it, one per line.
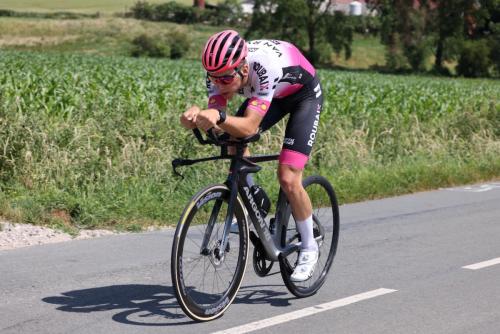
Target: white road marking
(253,326)
(483,264)
(476,188)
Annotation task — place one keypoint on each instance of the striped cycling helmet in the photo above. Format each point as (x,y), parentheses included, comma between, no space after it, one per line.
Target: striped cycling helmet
(224,51)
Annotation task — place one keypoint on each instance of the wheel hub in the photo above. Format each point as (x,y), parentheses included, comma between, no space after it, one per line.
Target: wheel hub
(215,254)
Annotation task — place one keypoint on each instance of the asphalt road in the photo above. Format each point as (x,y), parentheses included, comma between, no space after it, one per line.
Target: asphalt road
(399,269)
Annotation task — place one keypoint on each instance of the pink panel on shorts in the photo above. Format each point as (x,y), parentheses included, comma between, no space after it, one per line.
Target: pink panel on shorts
(292,158)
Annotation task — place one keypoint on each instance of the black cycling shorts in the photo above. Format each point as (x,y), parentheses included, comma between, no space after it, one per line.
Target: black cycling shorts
(304,108)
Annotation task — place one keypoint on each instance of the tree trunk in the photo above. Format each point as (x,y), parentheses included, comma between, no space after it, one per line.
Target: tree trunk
(199,3)
(438,64)
(312,46)
(311,34)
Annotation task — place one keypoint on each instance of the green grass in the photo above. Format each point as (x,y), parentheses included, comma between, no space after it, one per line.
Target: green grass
(367,51)
(87,140)
(102,36)
(113,36)
(89,6)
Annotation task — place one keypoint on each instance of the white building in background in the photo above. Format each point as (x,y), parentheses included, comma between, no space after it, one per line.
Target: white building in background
(247,6)
(348,7)
(356,8)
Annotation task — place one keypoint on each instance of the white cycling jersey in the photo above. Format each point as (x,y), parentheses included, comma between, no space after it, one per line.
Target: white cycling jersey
(277,70)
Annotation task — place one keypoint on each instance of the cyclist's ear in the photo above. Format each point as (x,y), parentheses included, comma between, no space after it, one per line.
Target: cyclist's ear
(245,69)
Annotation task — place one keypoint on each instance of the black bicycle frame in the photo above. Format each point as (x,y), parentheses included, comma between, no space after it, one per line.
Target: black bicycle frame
(237,184)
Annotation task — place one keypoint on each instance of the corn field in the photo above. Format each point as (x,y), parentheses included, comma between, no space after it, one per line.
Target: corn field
(87,141)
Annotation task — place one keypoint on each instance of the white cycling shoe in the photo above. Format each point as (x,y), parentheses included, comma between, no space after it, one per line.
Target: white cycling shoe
(305,266)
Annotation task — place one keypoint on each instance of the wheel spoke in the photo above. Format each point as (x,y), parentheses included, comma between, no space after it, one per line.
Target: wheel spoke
(194,267)
(194,242)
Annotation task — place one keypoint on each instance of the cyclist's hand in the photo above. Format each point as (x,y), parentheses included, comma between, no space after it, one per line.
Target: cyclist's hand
(207,119)
(188,119)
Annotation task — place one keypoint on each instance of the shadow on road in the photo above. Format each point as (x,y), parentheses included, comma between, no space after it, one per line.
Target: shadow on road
(151,305)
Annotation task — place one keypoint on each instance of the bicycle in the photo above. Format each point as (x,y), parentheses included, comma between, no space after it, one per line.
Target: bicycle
(203,240)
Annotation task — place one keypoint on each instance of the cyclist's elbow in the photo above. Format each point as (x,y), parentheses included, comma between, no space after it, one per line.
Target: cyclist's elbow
(249,131)
(251,126)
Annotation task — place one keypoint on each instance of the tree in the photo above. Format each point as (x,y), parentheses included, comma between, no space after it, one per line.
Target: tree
(463,30)
(405,31)
(315,21)
(450,24)
(339,33)
(479,54)
(308,24)
(229,13)
(199,4)
(474,59)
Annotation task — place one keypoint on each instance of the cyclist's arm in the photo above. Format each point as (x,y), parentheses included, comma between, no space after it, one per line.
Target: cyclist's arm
(236,126)
(264,82)
(267,72)
(245,126)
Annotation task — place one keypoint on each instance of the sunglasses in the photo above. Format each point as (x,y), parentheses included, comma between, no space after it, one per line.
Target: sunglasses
(225,79)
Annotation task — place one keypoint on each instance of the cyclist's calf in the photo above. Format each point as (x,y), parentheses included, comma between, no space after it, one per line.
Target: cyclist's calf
(290,179)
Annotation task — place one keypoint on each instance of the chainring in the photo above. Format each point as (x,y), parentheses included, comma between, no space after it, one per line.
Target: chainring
(261,265)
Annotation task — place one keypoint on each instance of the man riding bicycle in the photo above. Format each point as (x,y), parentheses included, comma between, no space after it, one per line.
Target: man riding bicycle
(277,80)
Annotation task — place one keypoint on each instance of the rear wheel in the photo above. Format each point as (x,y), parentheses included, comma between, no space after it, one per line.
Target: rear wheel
(326,232)
(206,282)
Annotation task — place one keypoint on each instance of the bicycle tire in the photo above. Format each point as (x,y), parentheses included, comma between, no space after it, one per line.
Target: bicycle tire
(328,247)
(196,303)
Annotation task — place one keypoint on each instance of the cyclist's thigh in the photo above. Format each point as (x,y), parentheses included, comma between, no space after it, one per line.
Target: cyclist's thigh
(302,127)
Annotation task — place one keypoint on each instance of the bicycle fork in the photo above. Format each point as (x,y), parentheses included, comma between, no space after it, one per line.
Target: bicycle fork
(223,247)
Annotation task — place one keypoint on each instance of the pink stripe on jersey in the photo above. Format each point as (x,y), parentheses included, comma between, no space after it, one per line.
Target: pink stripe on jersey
(298,58)
(306,65)
(289,91)
(259,105)
(217,101)
(292,158)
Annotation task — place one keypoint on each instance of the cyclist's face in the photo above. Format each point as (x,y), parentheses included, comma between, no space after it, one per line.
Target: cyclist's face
(229,82)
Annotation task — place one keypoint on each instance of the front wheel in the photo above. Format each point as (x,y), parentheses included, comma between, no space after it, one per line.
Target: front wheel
(205,279)
(326,232)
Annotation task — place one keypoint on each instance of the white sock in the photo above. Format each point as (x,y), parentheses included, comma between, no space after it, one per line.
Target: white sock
(305,228)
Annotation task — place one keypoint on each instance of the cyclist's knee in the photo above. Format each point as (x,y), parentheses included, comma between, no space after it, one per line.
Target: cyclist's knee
(290,178)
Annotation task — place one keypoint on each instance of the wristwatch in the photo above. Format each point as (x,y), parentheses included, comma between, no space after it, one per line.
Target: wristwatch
(222,117)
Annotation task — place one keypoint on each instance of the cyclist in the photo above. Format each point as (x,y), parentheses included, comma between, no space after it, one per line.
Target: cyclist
(277,80)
